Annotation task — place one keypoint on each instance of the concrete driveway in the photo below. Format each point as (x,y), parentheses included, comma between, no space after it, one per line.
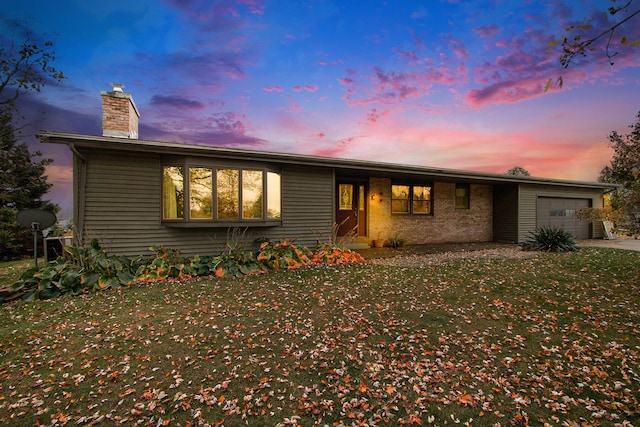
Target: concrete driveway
(620,243)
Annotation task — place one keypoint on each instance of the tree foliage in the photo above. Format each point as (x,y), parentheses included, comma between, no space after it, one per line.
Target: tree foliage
(22,186)
(25,64)
(590,36)
(623,169)
(518,171)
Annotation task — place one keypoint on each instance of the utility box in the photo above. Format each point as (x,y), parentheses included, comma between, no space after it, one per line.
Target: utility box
(53,247)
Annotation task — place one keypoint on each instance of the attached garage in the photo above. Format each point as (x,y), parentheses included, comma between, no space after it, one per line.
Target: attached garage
(558,212)
(520,209)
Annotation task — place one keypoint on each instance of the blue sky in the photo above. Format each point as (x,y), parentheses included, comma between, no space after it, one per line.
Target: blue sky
(444,83)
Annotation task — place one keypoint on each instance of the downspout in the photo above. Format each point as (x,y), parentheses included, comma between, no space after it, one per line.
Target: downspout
(81,192)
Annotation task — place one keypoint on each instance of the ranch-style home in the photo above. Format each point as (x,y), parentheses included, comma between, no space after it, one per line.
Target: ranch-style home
(131,194)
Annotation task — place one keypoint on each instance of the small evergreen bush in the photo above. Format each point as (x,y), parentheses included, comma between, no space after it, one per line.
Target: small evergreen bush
(553,239)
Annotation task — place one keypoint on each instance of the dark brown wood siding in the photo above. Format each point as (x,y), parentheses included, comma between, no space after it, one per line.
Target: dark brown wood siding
(505,213)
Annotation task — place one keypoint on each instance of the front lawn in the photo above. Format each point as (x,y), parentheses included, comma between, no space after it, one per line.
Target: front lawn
(10,271)
(552,339)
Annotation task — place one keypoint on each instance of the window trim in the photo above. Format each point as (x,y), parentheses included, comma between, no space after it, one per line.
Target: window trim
(187,222)
(411,186)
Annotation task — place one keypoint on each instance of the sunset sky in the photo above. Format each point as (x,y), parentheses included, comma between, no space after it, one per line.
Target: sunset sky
(444,83)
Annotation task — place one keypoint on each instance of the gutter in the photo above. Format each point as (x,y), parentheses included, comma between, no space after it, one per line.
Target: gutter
(81,193)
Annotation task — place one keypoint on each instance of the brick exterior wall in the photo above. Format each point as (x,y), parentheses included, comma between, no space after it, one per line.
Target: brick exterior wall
(119,115)
(446,225)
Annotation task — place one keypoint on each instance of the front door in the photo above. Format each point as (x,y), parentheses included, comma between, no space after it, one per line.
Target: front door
(351,216)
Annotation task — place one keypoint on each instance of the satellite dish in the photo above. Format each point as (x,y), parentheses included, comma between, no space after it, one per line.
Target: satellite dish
(36,220)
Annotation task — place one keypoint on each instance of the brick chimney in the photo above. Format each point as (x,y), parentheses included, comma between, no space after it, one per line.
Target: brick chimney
(119,113)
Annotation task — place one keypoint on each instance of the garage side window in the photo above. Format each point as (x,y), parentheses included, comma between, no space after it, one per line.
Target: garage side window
(462,196)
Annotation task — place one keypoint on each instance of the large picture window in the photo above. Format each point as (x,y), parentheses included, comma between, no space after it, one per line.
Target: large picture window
(220,195)
(411,199)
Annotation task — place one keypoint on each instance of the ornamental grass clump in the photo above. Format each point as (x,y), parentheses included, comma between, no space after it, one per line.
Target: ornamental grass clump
(553,239)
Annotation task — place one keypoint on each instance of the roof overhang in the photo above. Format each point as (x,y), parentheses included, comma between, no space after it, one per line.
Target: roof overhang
(349,167)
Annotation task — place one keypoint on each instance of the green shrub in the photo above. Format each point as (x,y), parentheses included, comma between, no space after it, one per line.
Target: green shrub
(83,269)
(553,239)
(282,254)
(395,242)
(92,269)
(165,263)
(235,262)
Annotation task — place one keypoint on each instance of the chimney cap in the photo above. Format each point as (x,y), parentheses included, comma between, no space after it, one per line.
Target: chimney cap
(117,87)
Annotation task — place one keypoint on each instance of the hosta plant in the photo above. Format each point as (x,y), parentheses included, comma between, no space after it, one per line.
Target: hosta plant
(235,262)
(282,254)
(165,263)
(82,269)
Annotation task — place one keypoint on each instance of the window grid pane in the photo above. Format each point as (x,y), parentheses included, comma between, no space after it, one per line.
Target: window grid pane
(228,201)
(172,192)
(273,195)
(200,193)
(421,200)
(252,194)
(400,199)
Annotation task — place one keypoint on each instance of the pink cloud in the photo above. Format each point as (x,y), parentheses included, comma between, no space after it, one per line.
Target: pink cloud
(297,88)
(374,115)
(420,13)
(506,91)
(337,150)
(292,106)
(273,89)
(310,88)
(328,152)
(175,102)
(411,56)
(486,31)
(346,81)
(445,145)
(459,49)
(255,6)
(400,87)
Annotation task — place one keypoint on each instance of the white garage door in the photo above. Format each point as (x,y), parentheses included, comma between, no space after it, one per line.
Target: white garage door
(558,212)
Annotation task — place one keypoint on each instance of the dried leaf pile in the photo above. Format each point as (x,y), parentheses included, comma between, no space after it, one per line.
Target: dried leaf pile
(483,341)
